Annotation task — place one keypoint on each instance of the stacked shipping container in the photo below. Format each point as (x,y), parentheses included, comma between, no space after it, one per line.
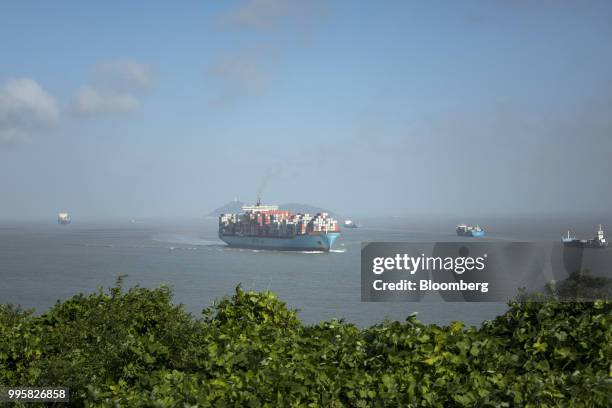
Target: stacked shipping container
(276,223)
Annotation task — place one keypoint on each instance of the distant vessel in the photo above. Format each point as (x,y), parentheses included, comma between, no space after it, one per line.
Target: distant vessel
(598,242)
(469,231)
(349,224)
(63,218)
(266,227)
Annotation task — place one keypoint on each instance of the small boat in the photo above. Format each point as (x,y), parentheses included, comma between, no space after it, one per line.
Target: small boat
(464,230)
(598,242)
(63,218)
(349,224)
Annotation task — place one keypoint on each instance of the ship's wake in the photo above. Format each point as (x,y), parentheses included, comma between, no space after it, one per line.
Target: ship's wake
(189,240)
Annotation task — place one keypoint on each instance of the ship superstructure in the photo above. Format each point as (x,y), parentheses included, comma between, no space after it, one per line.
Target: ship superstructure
(464,230)
(598,242)
(266,227)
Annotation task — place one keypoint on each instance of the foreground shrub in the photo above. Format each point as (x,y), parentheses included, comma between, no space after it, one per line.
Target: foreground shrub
(135,348)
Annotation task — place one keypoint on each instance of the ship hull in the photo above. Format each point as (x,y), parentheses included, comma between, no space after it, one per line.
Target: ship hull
(471,233)
(584,244)
(307,242)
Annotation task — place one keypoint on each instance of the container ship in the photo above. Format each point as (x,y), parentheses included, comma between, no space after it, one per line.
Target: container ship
(469,231)
(266,227)
(63,218)
(598,242)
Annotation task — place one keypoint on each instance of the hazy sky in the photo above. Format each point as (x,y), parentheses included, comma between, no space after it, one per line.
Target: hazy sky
(402,107)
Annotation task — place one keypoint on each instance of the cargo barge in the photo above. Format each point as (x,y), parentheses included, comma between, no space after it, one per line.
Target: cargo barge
(469,231)
(598,242)
(266,227)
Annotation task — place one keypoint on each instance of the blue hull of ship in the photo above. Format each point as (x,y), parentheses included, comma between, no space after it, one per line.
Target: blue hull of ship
(472,234)
(322,242)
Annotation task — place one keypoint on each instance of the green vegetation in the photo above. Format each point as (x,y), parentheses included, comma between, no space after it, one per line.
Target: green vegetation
(135,348)
(581,285)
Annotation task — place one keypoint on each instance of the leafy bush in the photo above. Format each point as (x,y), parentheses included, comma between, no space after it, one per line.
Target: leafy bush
(135,348)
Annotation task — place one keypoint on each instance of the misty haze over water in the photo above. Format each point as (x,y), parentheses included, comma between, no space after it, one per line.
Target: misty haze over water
(41,263)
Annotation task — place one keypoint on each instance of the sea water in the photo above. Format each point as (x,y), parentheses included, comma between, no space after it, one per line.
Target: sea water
(43,262)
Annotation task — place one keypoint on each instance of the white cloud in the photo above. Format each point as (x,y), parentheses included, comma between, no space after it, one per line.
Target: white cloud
(241,74)
(124,75)
(260,14)
(90,100)
(247,73)
(24,108)
(116,86)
